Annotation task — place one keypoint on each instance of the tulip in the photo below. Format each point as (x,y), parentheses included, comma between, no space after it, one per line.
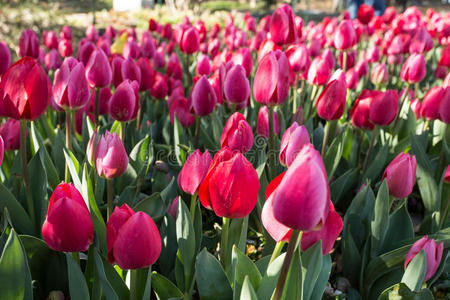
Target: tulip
(421,41)
(180,108)
(174,68)
(372,54)
(159,88)
(445,58)
(190,40)
(271,82)
(98,70)
(124,103)
(116,70)
(111,159)
(147,74)
(362,67)
(236,85)
(380,74)
(71,90)
(299,59)
(10,133)
(148,47)
(351,78)
(194,171)
(447,175)
(51,40)
(301,200)
(244,58)
(28,44)
(172,211)
(345,35)
(152,25)
(133,239)
(282,26)
(414,69)
(84,52)
(68,225)
(294,139)
(92,33)
(25,90)
(65,48)
(383,108)
(131,49)
(444,109)
(401,175)
(365,13)
(361,110)
(431,102)
(203,97)
(66,33)
(231,185)
(331,102)
(52,60)
(319,71)
(110,32)
(130,70)
(5,57)
(416,107)
(203,65)
(433,254)
(237,134)
(262,126)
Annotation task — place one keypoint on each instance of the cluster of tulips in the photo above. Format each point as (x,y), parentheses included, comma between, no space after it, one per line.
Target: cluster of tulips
(280,130)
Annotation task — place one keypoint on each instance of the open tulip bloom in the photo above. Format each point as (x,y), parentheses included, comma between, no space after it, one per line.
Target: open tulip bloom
(227,156)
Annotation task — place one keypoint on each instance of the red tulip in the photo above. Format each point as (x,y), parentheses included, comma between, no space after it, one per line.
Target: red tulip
(51,40)
(244,58)
(319,71)
(365,13)
(203,65)
(282,26)
(10,133)
(351,78)
(271,82)
(167,31)
(98,71)
(331,102)
(152,25)
(445,58)
(401,175)
(172,211)
(203,97)
(236,86)
(421,41)
(52,60)
(194,171)
(65,48)
(104,97)
(361,110)
(180,108)
(362,67)
(147,74)
(66,33)
(159,88)
(231,185)
(25,90)
(414,69)
(124,103)
(174,68)
(116,70)
(383,108)
(416,107)
(372,54)
(262,126)
(68,225)
(237,134)
(431,102)
(28,44)
(345,35)
(433,254)
(190,40)
(294,139)
(111,159)
(133,239)
(130,70)
(299,59)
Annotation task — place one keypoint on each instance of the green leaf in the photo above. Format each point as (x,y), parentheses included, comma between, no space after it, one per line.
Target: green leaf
(343,184)
(38,184)
(312,261)
(108,290)
(247,292)
(401,291)
(117,283)
(351,258)
(400,228)
(211,280)
(415,272)
(164,288)
(380,221)
(77,284)
(142,155)
(15,277)
(334,154)
(186,241)
(19,217)
(244,266)
(293,286)
(178,134)
(322,279)
(377,164)
(270,278)
(152,205)
(166,260)
(237,234)
(74,168)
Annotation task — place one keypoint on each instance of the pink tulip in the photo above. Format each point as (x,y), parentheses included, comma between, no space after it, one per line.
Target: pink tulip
(244,58)
(130,70)
(433,254)
(331,102)
(237,134)
(92,33)
(351,78)
(294,139)
(431,102)
(203,97)
(159,88)
(52,60)
(203,65)
(84,52)
(148,46)
(5,57)
(180,108)
(282,26)
(319,71)
(362,67)
(147,74)
(131,50)
(236,85)
(345,35)
(111,159)
(299,59)
(172,211)
(414,69)
(66,33)
(124,103)
(51,40)
(444,109)
(28,44)
(65,48)
(98,71)
(401,175)
(190,40)
(383,108)
(194,171)
(10,133)
(421,41)
(360,111)
(262,126)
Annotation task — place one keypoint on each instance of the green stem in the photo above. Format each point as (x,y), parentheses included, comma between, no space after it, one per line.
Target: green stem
(224,243)
(402,101)
(110,195)
(329,126)
(26,178)
(193,206)
(68,140)
(133,277)
(196,131)
(76,257)
(313,97)
(272,150)
(286,264)
(97,106)
(123,126)
(276,251)
(375,133)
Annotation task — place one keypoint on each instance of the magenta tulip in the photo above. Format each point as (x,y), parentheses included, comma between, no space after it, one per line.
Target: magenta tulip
(124,103)
(130,70)
(345,36)
(262,126)
(194,171)
(433,254)
(236,85)
(5,57)
(294,139)
(414,69)
(28,44)
(203,97)
(282,26)
(111,159)
(401,175)
(383,108)
(98,70)
(331,102)
(237,134)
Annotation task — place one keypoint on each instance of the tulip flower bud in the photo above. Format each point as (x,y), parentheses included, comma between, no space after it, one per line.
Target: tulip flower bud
(92,148)
(231,170)
(66,33)
(131,49)
(5,57)
(71,90)
(294,138)
(10,133)
(282,26)
(111,159)
(271,82)
(51,40)
(430,106)
(190,40)
(383,108)
(365,13)
(345,35)
(380,74)
(92,33)
(159,88)
(262,126)
(172,211)
(98,70)
(351,78)
(203,65)
(28,44)
(244,58)
(421,41)
(414,69)
(130,70)
(124,103)
(147,74)
(65,48)
(148,46)
(68,225)
(237,134)
(203,97)
(25,90)
(180,108)
(433,254)
(444,109)
(416,107)
(236,85)
(319,71)
(361,110)
(194,171)
(152,25)
(331,102)
(84,52)
(362,67)
(373,54)
(299,59)
(301,200)
(52,60)
(133,239)
(401,175)
(116,70)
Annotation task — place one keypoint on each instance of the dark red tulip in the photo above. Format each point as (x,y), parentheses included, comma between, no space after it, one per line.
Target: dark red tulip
(365,13)
(361,110)
(203,97)
(124,103)
(159,88)
(414,69)
(383,108)
(236,85)
(190,40)
(147,74)
(180,108)
(237,134)
(10,133)
(130,70)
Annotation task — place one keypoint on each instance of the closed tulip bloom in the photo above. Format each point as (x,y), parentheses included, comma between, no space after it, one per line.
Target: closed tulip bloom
(174,69)
(65,48)
(360,111)
(401,175)
(66,33)
(282,26)
(294,139)
(271,82)
(444,108)
(383,108)
(231,185)
(414,69)
(116,70)
(159,88)
(237,134)
(131,49)
(91,148)
(173,208)
(51,40)
(416,107)
(445,58)
(148,46)
(430,106)
(25,90)
(104,97)
(203,97)
(351,78)
(28,44)
(133,239)
(130,70)
(433,254)
(301,200)
(236,85)
(373,54)
(331,102)
(5,57)
(68,225)
(203,65)
(421,41)
(71,90)
(262,126)
(52,60)
(10,133)
(92,33)
(190,40)
(365,13)
(319,72)
(244,58)
(298,56)
(124,103)
(84,52)
(194,171)
(111,159)
(380,74)
(147,74)
(98,70)
(345,35)
(362,67)
(180,109)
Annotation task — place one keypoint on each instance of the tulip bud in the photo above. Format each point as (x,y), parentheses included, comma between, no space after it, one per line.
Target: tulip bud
(262,126)
(383,108)
(271,82)
(299,59)
(5,57)
(373,54)
(10,133)
(51,40)
(147,74)
(52,60)
(433,254)
(421,41)
(124,103)
(294,138)
(231,185)
(159,88)
(194,171)
(190,40)
(98,70)
(414,69)
(237,134)
(148,46)
(301,200)
(203,65)
(365,13)
(28,44)
(92,33)
(133,239)
(84,52)
(401,175)
(362,67)
(319,71)
(71,90)
(361,110)
(131,49)
(130,70)
(180,108)
(68,225)
(116,70)
(236,85)
(25,90)
(331,102)
(172,211)
(65,48)
(345,35)
(431,102)
(66,33)
(203,97)
(380,74)
(92,147)
(111,159)
(351,78)
(282,26)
